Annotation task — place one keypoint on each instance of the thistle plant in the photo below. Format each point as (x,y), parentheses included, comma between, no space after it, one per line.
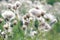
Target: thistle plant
(32,23)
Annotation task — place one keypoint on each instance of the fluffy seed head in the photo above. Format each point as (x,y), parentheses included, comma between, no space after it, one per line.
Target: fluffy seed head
(8,15)
(9,6)
(14,7)
(3,33)
(26,23)
(17,3)
(6,26)
(1,20)
(28,15)
(15,22)
(24,27)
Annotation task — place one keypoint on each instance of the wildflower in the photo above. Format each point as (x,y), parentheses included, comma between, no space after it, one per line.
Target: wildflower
(37,12)
(24,18)
(52,22)
(8,15)
(45,27)
(24,27)
(14,7)
(3,34)
(15,22)
(42,13)
(18,4)
(41,19)
(51,18)
(31,18)
(26,23)
(34,11)
(1,20)
(32,33)
(28,15)
(10,30)
(9,6)
(5,26)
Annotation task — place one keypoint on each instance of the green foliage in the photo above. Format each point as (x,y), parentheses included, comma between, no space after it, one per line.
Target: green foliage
(52,1)
(21,23)
(36,23)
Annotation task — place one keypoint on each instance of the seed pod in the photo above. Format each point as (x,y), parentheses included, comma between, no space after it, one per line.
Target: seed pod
(27,15)
(3,34)
(17,3)
(37,8)
(24,27)
(25,18)
(9,6)
(26,23)
(42,24)
(1,20)
(14,7)
(38,15)
(6,26)
(42,13)
(15,22)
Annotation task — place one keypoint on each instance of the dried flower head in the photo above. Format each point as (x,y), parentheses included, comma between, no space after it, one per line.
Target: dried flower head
(9,6)
(24,27)
(15,22)
(42,13)
(8,15)
(33,33)
(6,26)
(1,20)
(26,23)
(17,4)
(14,7)
(27,15)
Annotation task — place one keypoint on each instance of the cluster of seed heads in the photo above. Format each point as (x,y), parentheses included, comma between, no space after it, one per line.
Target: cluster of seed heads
(35,16)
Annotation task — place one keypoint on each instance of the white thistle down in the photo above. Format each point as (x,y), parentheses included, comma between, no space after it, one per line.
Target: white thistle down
(44,27)
(51,18)
(9,6)
(24,27)
(8,14)
(36,12)
(32,33)
(41,19)
(1,20)
(17,4)
(5,27)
